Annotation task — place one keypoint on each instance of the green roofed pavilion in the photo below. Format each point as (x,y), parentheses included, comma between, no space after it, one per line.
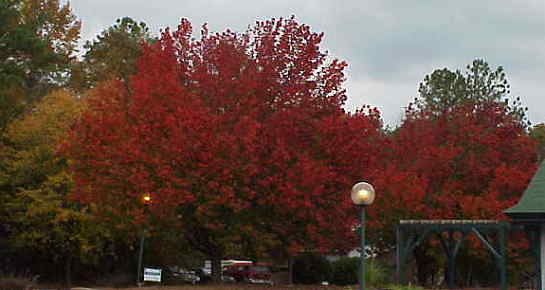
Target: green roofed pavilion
(531,206)
(530,212)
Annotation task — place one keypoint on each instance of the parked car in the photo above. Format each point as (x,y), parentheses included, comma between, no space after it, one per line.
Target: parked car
(251,274)
(227,278)
(205,274)
(175,274)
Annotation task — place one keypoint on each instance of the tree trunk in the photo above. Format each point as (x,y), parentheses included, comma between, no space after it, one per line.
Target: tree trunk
(290,270)
(469,278)
(68,270)
(424,265)
(216,270)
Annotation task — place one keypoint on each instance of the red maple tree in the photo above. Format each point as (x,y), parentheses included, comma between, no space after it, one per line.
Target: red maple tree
(471,162)
(240,139)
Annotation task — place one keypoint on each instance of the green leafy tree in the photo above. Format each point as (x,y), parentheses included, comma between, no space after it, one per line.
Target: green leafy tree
(443,89)
(112,55)
(17,45)
(54,23)
(37,41)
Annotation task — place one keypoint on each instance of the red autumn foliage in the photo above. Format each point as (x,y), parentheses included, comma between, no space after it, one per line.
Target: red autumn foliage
(237,137)
(241,139)
(471,162)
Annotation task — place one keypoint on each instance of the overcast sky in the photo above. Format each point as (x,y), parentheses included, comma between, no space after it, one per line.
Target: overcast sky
(389,45)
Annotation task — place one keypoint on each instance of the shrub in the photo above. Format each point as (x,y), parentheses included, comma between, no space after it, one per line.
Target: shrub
(117,279)
(311,269)
(345,271)
(375,273)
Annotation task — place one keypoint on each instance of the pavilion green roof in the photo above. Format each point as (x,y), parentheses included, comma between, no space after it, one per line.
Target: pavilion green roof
(532,203)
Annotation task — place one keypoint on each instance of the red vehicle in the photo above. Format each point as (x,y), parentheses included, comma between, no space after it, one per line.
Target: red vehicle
(252,274)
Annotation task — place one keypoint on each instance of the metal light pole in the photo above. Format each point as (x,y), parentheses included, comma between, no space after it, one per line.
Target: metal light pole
(140,256)
(146,200)
(362,194)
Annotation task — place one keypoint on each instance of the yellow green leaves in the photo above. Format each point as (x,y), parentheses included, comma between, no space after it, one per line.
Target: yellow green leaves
(48,121)
(40,213)
(54,22)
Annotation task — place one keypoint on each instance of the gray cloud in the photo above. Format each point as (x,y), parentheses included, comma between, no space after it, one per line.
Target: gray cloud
(389,45)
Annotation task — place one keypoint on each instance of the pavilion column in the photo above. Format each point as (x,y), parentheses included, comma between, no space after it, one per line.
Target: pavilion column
(542,257)
(530,211)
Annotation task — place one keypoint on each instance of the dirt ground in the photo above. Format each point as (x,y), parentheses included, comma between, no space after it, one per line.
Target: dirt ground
(263,287)
(237,287)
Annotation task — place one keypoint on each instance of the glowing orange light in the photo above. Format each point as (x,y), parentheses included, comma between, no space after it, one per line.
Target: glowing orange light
(146,198)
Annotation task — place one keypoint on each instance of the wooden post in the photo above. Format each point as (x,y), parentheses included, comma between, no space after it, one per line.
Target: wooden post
(502,259)
(542,257)
(400,256)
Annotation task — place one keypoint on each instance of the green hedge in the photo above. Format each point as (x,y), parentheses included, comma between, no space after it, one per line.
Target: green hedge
(311,269)
(345,272)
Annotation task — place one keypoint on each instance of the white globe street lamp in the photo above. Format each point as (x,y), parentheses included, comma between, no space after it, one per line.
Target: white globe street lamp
(362,194)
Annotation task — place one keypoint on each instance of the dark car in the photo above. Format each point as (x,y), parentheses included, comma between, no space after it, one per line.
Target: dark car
(204,276)
(174,275)
(251,274)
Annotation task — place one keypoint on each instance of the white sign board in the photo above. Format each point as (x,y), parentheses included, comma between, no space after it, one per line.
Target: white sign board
(153,275)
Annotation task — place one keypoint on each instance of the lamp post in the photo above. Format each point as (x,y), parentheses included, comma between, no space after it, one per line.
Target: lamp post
(362,194)
(146,200)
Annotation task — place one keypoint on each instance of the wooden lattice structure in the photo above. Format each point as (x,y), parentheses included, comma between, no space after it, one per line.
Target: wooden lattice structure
(410,233)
